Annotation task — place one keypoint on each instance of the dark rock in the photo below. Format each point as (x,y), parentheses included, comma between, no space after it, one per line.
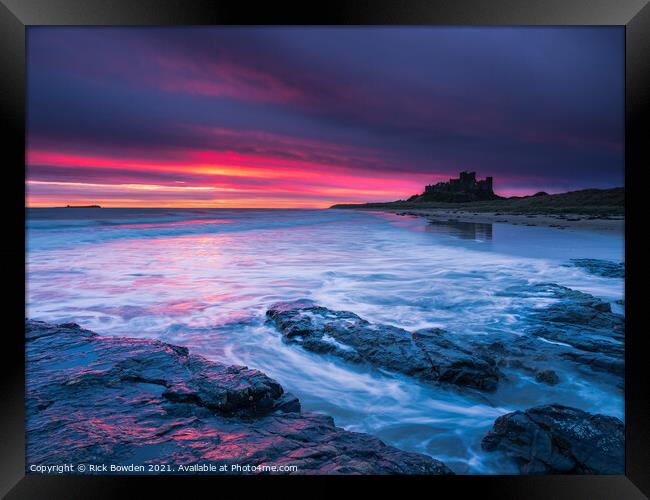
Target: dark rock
(93,399)
(600,267)
(111,361)
(547,377)
(556,439)
(597,361)
(581,322)
(428,355)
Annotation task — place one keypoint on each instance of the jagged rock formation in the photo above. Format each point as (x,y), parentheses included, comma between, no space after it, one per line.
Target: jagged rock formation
(556,439)
(601,267)
(581,321)
(112,400)
(428,355)
(94,399)
(576,327)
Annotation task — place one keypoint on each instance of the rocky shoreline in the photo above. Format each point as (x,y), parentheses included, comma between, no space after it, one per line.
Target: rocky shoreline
(94,399)
(549,439)
(428,355)
(123,401)
(556,439)
(577,327)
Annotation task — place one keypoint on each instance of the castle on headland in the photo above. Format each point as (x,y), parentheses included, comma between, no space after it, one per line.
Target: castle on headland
(465,188)
(466,183)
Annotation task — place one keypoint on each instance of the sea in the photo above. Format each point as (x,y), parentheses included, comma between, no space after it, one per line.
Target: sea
(204,278)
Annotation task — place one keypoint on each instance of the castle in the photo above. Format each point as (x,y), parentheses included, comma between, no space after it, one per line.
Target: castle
(465,188)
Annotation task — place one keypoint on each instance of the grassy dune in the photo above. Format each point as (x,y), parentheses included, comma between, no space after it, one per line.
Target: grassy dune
(597,202)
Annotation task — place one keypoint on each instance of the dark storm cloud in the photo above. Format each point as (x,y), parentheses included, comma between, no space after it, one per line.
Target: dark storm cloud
(531,106)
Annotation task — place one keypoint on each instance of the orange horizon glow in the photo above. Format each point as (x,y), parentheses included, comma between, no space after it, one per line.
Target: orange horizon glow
(220,180)
(295,118)
(215,180)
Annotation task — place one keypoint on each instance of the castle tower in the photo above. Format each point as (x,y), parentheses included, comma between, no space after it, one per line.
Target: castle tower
(467,179)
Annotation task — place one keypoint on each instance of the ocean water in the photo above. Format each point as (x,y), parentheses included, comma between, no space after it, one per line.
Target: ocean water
(204,279)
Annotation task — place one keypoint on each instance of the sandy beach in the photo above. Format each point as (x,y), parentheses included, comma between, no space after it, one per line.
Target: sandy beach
(611,224)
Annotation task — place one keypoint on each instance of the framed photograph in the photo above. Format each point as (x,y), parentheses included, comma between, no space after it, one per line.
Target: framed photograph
(377,239)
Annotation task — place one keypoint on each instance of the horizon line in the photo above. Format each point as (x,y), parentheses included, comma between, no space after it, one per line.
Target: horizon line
(89,205)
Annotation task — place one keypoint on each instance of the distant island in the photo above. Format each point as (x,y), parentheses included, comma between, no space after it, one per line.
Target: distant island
(466,194)
(82,206)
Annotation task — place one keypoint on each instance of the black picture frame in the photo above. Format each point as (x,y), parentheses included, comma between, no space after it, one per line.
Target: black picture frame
(16,15)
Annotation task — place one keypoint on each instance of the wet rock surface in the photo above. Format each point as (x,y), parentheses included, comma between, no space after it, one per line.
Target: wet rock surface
(600,267)
(571,326)
(576,326)
(556,439)
(547,377)
(114,400)
(430,355)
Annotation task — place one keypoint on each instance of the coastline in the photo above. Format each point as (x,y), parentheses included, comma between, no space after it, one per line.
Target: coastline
(133,403)
(203,416)
(593,209)
(472,380)
(608,224)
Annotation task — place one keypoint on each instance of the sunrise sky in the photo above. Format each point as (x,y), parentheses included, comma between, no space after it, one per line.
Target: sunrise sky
(305,117)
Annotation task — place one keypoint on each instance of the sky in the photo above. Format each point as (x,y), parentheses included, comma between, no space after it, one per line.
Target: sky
(308,117)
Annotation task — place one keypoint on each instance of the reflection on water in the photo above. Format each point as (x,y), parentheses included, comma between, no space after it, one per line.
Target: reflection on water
(464,230)
(205,278)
